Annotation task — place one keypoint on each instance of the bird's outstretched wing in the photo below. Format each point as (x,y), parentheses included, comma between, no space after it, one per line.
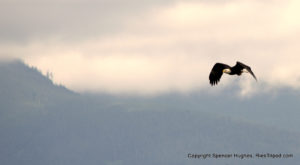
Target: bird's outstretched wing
(243,66)
(216,73)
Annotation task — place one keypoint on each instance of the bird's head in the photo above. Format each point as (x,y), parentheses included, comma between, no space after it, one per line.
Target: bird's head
(226,71)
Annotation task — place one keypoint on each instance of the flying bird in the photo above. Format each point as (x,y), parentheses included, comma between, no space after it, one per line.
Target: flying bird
(219,68)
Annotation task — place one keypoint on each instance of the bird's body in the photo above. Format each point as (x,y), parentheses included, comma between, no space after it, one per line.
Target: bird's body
(219,68)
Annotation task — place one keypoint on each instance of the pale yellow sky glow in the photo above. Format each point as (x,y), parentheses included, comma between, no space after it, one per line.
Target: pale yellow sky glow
(172,47)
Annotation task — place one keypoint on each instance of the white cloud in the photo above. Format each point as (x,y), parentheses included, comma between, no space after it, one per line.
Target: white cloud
(173,49)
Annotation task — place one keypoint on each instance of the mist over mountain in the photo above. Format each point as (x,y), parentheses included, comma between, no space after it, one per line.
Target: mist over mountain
(45,123)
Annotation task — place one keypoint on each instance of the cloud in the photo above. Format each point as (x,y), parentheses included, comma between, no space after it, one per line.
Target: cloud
(169,47)
(72,20)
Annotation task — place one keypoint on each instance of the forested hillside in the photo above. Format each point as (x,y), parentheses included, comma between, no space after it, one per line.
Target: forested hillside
(45,123)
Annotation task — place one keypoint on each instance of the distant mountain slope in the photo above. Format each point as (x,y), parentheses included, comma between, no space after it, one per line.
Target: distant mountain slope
(42,123)
(18,77)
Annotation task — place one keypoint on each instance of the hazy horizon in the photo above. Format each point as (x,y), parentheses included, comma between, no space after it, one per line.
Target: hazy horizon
(45,123)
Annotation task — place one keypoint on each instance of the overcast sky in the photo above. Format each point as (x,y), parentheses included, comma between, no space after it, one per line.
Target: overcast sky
(151,47)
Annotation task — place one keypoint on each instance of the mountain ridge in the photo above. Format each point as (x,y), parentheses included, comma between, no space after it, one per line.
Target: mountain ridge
(42,123)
